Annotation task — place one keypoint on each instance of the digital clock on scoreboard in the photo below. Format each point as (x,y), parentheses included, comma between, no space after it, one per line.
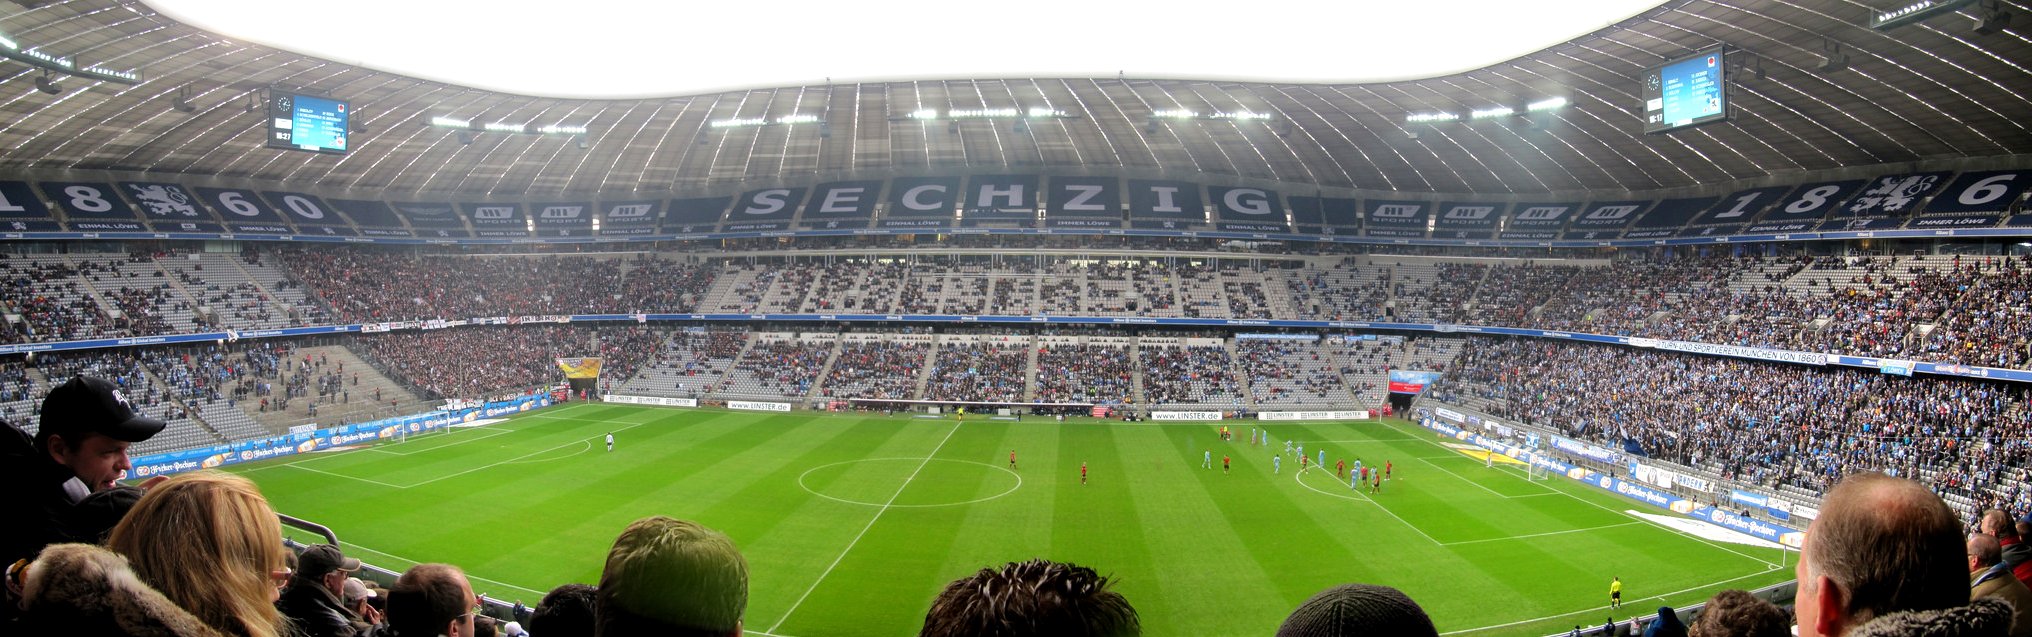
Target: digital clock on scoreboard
(307,122)
(1685,92)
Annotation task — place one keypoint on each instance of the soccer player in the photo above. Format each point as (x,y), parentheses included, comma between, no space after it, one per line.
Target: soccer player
(1322,458)
(1354,482)
(1386,469)
(1340,468)
(1207,462)
(1377,485)
(1301,463)
(1224,464)
(1287,446)
(610,441)
(1276,463)
(1489,460)
(1615,592)
(1012,458)
(1301,451)
(1083,472)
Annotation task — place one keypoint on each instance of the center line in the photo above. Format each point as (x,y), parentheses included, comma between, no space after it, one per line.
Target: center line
(864,530)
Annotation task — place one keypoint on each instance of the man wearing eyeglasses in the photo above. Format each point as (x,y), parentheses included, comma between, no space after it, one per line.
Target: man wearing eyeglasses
(432,599)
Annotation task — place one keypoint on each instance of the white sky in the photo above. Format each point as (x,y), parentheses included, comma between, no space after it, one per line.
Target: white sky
(661,48)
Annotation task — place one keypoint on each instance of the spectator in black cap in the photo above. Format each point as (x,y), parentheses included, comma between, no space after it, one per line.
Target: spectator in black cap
(80,448)
(312,600)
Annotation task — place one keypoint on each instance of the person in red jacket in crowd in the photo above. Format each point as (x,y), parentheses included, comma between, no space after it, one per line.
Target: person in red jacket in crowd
(2017,553)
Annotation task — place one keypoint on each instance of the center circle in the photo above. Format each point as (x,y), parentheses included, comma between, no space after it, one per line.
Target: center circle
(880,482)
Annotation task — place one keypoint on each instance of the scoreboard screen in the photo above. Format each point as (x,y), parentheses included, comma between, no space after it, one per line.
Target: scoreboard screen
(307,122)
(1686,92)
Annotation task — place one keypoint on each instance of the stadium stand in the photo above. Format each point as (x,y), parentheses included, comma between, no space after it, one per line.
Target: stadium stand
(1795,426)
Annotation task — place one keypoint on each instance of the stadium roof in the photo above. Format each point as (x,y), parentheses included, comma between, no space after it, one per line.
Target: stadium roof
(625,49)
(1935,90)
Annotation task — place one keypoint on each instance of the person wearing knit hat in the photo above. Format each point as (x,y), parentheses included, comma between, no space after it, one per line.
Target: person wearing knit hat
(1358,609)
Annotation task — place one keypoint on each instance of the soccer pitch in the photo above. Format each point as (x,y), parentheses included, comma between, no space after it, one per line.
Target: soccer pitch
(851,524)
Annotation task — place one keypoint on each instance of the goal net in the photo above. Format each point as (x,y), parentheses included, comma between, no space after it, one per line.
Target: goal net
(1538,472)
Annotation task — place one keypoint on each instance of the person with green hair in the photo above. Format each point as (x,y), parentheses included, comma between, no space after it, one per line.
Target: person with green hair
(672,577)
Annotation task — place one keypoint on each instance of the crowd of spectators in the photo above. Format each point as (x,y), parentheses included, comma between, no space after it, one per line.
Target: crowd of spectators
(1290,372)
(1967,310)
(977,372)
(883,369)
(1759,422)
(480,360)
(379,285)
(1189,375)
(777,368)
(1096,374)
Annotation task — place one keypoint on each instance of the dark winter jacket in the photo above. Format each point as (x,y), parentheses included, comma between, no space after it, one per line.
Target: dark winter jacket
(1986,617)
(80,590)
(318,613)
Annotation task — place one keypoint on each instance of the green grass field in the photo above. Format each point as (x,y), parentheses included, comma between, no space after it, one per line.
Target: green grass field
(852,524)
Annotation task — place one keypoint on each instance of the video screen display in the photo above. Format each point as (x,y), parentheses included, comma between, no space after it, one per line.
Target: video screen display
(1686,92)
(307,122)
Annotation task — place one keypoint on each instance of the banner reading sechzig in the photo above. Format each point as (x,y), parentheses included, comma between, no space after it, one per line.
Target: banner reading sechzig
(582,367)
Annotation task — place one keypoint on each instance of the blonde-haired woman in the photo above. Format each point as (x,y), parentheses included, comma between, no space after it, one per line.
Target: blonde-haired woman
(200,555)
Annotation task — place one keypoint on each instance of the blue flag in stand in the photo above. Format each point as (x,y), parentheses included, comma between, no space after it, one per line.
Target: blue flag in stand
(1630,445)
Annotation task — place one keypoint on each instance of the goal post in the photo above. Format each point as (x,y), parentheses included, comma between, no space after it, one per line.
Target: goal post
(1537,471)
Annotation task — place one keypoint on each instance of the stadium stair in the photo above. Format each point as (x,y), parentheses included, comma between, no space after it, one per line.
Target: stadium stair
(1030,372)
(1136,395)
(1242,380)
(361,408)
(924,375)
(825,371)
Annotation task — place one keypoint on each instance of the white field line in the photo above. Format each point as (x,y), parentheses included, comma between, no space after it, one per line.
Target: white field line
(864,529)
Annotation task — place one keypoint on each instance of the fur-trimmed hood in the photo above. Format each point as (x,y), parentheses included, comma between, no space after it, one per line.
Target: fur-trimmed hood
(1981,618)
(81,590)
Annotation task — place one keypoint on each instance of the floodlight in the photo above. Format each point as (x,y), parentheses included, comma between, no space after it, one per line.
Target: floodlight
(47,84)
(1916,12)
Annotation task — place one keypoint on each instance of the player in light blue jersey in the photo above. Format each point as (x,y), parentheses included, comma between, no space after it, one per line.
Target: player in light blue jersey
(1322,458)
(1208,461)
(1276,463)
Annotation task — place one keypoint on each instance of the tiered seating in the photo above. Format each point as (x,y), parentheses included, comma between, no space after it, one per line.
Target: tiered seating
(1347,290)
(149,303)
(1199,295)
(690,364)
(1099,374)
(877,369)
(222,287)
(1766,423)
(776,367)
(1064,288)
(969,371)
(967,290)
(1189,375)
(52,298)
(1291,373)
(1248,296)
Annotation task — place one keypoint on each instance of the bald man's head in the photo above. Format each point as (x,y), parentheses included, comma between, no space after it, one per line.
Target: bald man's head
(1884,544)
(1984,551)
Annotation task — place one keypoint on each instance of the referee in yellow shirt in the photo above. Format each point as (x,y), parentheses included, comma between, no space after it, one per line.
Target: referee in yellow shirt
(1615,592)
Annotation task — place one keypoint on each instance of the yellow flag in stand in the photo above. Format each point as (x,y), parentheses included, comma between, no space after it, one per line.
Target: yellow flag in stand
(582,367)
